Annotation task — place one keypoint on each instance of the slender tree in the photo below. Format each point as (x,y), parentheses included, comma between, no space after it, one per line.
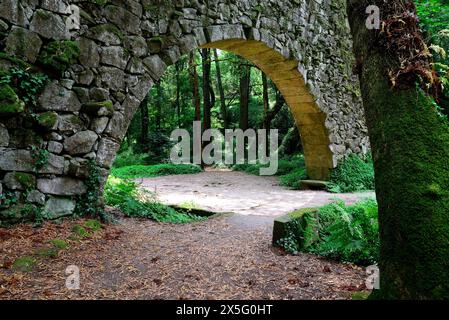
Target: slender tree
(245,81)
(158,105)
(178,93)
(195,86)
(266,98)
(207,103)
(223,107)
(145,123)
(410,145)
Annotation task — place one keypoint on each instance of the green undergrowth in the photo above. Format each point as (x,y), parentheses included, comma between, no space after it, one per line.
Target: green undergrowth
(133,202)
(147,171)
(336,231)
(291,170)
(353,175)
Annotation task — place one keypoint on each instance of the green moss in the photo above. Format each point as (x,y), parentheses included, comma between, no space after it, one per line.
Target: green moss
(93,225)
(60,244)
(25,264)
(362,295)
(9,101)
(47,119)
(107,27)
(81,232)
(26,180)
(18,62)
(59,55)
(47,252)
(94,107)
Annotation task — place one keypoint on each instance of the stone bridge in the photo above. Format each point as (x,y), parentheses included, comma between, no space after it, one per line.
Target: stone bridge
(103,56)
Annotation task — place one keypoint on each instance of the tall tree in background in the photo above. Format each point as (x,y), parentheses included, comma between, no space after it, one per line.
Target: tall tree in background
(145,123)
(408,135)
(178,94)
(158,104)
(223,107)
(196,99)
(245,81)
(266,98)
(207,96)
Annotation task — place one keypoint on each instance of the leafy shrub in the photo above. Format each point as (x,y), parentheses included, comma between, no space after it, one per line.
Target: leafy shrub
(133,202)
(291,170)
(129,158)
(353,174)
(142,171)
(337,231)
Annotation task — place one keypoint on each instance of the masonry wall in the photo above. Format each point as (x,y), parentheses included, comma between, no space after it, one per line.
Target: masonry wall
(101,69)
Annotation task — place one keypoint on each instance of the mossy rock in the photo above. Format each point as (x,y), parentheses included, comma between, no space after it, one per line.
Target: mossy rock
(280,227)
(10,104)
(25,264)
(26,180)
(14,61)
(18,213)
(48,120)
(94,108)
(59,55)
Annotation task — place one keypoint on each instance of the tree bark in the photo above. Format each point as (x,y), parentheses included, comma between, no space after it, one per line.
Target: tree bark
(178,99)
(223,107)
(205,54)
(245,81)
(158,105)
(410,145)
(266,98)
(195,86)
(145,123)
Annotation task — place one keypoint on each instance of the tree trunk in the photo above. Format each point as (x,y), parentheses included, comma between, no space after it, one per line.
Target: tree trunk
(223,107)
(271,114)
(266,98)
(178,102)
(158,105)
(145,123)
(205,54)
(245,81)
(410,145)
(195,86)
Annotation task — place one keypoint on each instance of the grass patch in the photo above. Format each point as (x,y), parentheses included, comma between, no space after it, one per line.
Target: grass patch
(47,252)
(143,171)
(336,231)
(60,244)
(81,232)
(25,263)
(126,196)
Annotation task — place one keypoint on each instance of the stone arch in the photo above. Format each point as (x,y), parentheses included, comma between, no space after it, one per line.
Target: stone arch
(126,46)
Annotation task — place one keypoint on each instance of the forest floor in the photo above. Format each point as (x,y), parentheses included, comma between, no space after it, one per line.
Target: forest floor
(223,257)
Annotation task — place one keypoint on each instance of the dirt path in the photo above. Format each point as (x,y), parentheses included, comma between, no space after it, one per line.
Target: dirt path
(226,257)
(254,200)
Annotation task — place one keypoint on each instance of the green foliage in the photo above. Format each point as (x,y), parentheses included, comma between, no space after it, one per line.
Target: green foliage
(25,264)
(9,101)
(60,244)
(142,171)
(40,157)
(93,225)
(129,158)
(27,85)
(88,203)
(126,196)
(337,231)
(59,55)
(80,231)
(353,174)
(291,170)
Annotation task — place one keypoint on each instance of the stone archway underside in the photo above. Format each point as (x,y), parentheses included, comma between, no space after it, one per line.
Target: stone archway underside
(308,117)
(124,47)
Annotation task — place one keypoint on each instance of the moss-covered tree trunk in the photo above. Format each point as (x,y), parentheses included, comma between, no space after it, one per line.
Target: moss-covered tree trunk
(410,144)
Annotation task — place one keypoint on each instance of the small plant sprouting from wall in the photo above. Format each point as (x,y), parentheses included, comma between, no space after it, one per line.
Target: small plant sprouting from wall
(59,55)
(40,157)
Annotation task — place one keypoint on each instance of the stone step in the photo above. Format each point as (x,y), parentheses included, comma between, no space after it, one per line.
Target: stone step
(313,185)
